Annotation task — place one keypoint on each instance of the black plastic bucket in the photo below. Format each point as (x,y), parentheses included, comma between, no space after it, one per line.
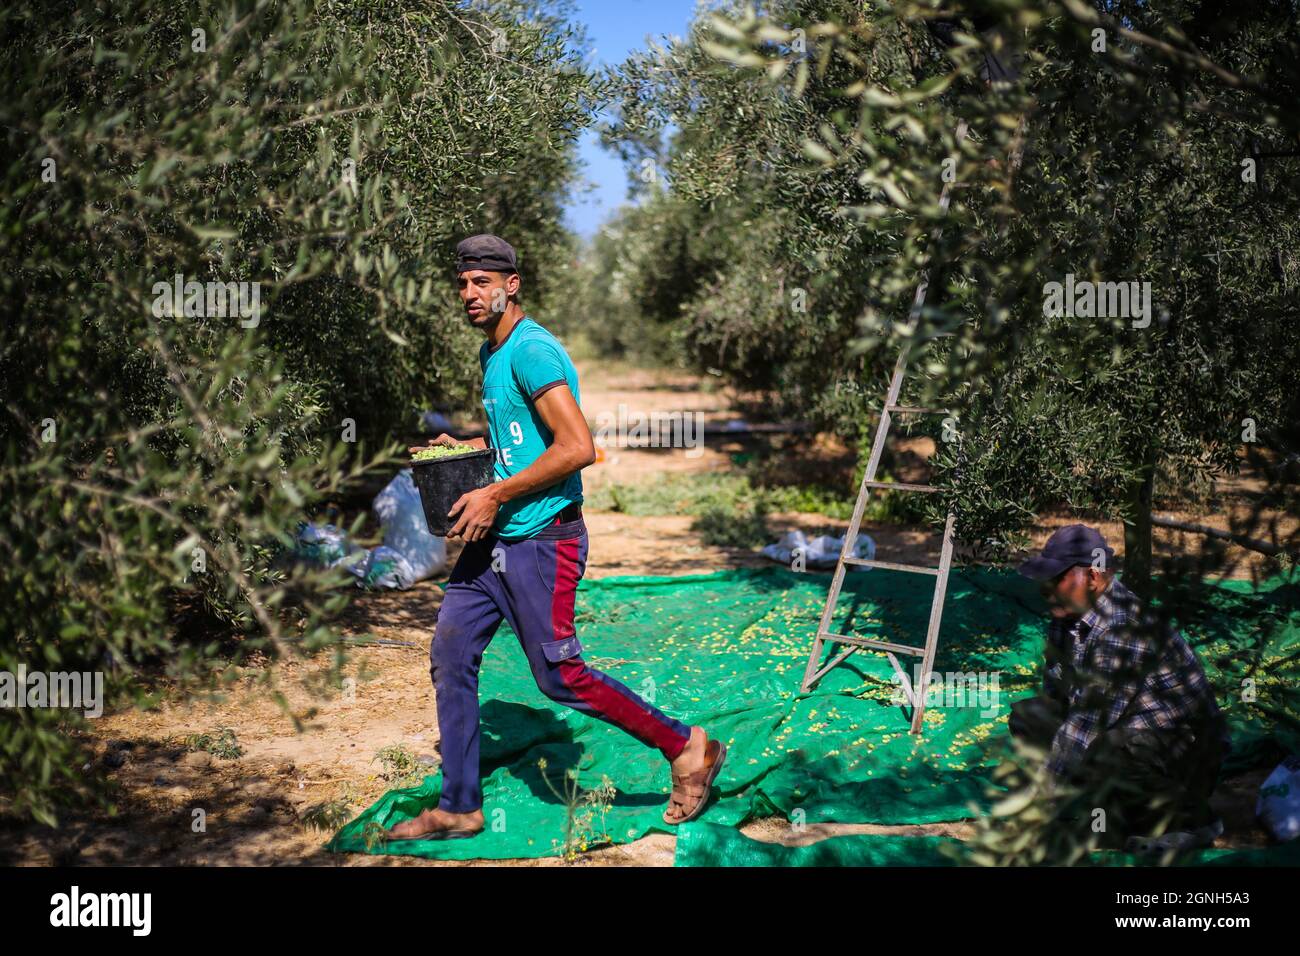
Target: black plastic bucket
(442,480)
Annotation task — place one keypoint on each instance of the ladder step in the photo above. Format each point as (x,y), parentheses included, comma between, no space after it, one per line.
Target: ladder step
(916,410)
(891,566)
(899,486)
(908,691)
(873,644)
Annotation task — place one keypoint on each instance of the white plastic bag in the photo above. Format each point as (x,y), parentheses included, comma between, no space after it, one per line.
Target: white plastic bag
(820,552)
(384,568)
(1279,800)
(325,545)
(406,535)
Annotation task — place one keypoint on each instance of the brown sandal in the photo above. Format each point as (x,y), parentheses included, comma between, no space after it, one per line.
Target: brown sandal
(692,789)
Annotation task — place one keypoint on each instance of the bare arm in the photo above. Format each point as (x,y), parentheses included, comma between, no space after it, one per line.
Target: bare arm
(571,450)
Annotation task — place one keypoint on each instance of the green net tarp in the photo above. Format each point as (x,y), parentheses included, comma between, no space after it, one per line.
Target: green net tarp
(711,844)
(727,651)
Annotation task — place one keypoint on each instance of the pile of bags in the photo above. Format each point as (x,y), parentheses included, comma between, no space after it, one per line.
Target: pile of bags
(409,552)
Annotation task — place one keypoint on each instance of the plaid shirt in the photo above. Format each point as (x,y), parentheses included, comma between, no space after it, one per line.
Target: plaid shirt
(1115,666)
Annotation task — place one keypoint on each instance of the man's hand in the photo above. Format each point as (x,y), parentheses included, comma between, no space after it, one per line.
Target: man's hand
(445,439)
(477,510)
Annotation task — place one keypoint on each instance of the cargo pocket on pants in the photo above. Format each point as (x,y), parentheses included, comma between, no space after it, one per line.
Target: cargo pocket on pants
(557,651)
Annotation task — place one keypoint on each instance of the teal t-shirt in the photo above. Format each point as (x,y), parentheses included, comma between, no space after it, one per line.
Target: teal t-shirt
(529,362)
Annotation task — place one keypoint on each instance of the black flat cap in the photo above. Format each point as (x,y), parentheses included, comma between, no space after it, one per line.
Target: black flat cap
(487,252)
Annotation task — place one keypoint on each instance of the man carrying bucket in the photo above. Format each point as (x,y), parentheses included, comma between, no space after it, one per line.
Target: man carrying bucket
(525,551)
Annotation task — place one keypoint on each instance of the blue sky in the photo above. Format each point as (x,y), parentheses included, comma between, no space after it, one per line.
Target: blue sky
(615,27)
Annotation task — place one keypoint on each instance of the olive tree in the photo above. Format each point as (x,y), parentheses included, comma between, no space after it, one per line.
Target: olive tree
(228,234)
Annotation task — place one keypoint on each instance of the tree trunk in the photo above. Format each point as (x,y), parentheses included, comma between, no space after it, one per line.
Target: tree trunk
(1137,529)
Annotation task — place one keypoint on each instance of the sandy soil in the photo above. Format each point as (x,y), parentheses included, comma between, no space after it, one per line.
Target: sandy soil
(254,805)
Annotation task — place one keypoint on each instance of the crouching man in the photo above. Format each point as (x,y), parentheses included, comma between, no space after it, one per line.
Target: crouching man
(525,550)
(1125,705)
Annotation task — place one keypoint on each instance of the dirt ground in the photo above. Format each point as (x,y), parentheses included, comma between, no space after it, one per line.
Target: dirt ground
(254,805)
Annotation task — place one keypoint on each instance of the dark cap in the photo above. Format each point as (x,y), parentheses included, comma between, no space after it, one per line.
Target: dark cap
(1074,544)
(487,252)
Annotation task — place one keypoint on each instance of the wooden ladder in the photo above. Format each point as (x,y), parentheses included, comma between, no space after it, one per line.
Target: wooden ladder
(915,695)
